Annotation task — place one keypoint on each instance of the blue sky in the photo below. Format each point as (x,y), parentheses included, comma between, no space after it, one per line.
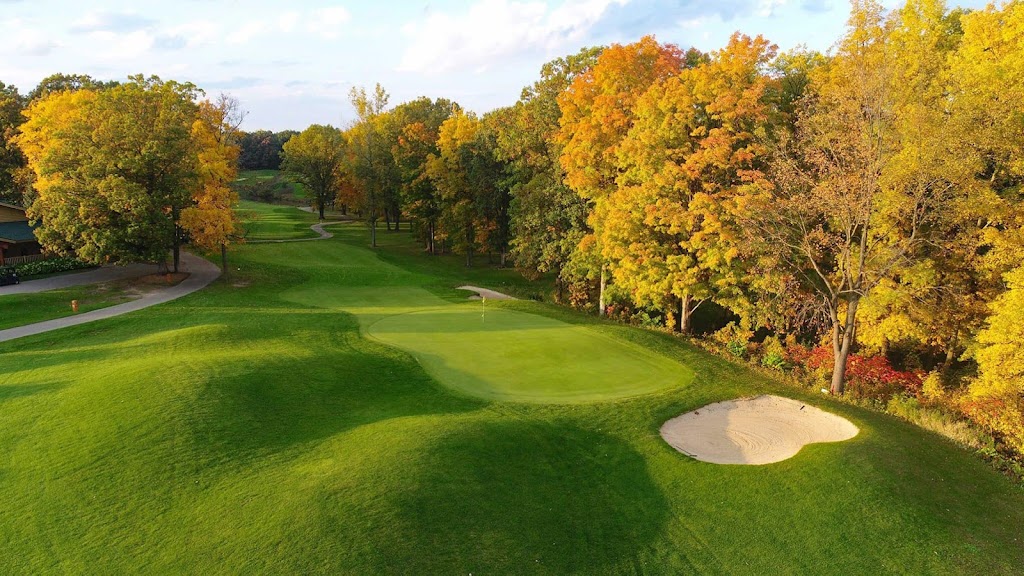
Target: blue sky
(292,64)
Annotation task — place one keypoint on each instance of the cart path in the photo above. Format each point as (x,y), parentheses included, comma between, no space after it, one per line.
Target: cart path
(201,273)
(107,273)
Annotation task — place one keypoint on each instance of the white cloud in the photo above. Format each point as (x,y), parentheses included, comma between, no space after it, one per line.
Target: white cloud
(122,46)
(327,21)
(766,8)
(196,33)
(497,29)
(288,21)
(246,32)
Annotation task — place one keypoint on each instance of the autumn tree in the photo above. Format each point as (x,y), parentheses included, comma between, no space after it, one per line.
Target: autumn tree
(862,190)
(997,395)
(466,174)
(670,228)
(416,125)
(547,219)
(211,221)
(315,156)
(114,169)
(370,164)
(597,113)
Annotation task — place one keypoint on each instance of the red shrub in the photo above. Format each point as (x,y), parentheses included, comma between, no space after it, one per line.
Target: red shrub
(866,376)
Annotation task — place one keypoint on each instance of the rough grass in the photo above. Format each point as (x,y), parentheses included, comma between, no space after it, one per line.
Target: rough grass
(257,430)
(21,309)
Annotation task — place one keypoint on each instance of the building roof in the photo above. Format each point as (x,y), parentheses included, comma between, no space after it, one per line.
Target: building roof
(15,232)
(14,206)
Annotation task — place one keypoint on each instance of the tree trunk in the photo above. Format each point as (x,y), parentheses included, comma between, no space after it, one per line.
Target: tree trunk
(224,259)
(842,341)
(432,240)
(684,311)
(387,219)
(177,249)
(373,233)
(600,293)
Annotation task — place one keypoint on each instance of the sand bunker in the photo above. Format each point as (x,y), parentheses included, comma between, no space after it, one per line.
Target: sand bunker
(758,430)
(485,293)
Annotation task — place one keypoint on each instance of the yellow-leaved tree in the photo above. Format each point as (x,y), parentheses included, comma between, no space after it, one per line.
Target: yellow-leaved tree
(211,221)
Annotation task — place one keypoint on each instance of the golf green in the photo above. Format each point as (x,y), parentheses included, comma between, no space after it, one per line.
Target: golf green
(508,355)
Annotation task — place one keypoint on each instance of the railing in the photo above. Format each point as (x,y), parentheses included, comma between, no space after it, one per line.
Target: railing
(14,260)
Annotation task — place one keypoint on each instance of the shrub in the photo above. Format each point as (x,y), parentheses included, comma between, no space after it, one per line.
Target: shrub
(773,354)
(734,338)
(872,377)
(51,266)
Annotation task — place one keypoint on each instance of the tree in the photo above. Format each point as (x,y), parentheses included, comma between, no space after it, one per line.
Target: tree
(865,185)
(998,392)
(211,222)
(11,158)
(370,165)
(315,156)
(467,177)
(114,169)
(670,228)
(55,83)
(262,149)
(597,113)
(547,219)
(417,124)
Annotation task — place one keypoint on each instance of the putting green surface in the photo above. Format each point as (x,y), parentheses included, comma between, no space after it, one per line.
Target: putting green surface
(508,355)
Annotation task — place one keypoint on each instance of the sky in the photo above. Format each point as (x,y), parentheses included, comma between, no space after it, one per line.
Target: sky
(292,64)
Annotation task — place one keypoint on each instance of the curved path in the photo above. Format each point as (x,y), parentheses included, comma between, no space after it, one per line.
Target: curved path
(485,293)
(201,273)
(318,228)
(95,276)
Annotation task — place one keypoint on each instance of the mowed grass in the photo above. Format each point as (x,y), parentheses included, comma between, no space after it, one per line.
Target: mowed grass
(508,355)
(253,427)
(272,222)
(21,309)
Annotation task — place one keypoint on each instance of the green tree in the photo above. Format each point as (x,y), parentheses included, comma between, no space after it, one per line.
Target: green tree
(316,156)
(114,169)
(547,219)
(11,158)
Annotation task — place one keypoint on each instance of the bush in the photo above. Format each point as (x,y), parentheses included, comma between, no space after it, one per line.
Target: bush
(773,354)
(734,338)
(51,266)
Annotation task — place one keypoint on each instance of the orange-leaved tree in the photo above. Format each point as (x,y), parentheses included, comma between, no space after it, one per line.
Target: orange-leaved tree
(597,113)
(692,156)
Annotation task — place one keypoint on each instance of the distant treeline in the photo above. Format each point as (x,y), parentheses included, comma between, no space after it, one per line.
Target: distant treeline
(261,150)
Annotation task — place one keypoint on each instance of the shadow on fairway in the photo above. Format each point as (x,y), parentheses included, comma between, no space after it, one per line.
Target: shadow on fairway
(11,392)
(531,497)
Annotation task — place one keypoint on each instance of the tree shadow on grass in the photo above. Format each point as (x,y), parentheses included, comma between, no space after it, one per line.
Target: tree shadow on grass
(262,405)
(526,497)
(14,391)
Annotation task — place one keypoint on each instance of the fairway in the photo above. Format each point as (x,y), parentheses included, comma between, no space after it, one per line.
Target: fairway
(507,355)
(332,409)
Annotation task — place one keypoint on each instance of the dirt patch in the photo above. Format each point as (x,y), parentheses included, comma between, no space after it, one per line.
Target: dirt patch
(759,430)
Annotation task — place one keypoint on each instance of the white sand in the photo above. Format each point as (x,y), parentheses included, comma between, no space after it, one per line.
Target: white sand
(758,430)
(485,293)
